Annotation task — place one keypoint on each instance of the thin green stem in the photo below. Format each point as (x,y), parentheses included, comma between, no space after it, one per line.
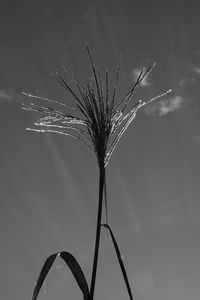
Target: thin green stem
(98,230)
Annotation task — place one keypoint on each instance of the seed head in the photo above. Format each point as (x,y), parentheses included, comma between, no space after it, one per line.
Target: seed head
(95,118)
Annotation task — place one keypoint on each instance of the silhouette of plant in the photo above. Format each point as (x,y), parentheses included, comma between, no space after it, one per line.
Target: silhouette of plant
(99,122)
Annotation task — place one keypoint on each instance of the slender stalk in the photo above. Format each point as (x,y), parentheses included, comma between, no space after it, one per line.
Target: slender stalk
(98,229)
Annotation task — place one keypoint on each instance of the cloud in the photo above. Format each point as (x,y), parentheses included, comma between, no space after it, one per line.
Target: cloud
(192,78)
(196,70)
(6,95)
(135,74)
(184,82)
(163,107)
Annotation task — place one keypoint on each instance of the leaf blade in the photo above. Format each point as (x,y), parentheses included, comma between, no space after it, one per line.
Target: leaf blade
(45,270)
(120,260)
(77,272)
(74,266)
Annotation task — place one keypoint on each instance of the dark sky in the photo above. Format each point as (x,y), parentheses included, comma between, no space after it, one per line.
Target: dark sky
(49,183)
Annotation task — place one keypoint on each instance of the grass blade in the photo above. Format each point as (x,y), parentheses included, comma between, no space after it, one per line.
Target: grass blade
(77,272)
(74,266)
(45,270)
(120,261)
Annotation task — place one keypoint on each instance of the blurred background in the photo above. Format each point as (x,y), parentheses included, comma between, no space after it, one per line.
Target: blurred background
(49,183)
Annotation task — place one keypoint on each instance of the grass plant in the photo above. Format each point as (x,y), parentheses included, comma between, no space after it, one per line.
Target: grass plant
(98,120)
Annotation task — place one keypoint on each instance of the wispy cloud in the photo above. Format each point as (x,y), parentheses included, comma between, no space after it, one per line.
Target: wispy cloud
(184,82)
(196,70)
(163,107)
(136,72)
(6,95)
(191,77)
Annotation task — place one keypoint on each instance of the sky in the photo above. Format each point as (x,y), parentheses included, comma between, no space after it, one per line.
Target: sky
(49,183)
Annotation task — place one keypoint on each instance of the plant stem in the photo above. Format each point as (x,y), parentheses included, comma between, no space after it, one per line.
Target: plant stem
(98,229)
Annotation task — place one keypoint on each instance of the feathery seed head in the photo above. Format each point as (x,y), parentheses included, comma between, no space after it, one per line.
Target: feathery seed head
(100,122)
